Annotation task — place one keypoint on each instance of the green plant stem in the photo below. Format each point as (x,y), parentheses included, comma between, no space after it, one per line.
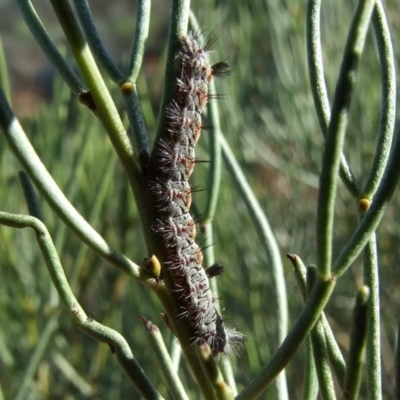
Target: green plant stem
(130,97)
(176,353)
(214,172)
(357,345)
(105,107)
(141,34)
(373,338)
(310,383)
(320,352)
(336,359)
(335,355)
(265,233)
(318,86)
(117,343)
(302,327)
(185,335)
(388,108)
(336,132)
(42,37)
(23,150)
(138,129)
(131,100)
(222,390)
(374,214)
(37,356)
(31,199)
(270,245)
(164,360)
(96,45)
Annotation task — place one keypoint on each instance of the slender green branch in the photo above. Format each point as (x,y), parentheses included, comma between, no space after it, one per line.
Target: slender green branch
(222,390)
(214,172)
(302,327)
(96,45)
(117,343)
(141,34)
(269,243)
(357,345)
(42,37)
(320,352)
(336,133)
(138,130)
(335,355)
(129,88)
(25,153)
(318,86)
(265,233)
(176,353)
(31,198)
(388,109)
(373,345)
(185,336)
(310,382)
(131,101)
(336,358)
(105,108)
(164,360)
(374,214)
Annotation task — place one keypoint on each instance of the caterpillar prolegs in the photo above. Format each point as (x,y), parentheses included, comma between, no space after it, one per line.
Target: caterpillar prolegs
(170,187)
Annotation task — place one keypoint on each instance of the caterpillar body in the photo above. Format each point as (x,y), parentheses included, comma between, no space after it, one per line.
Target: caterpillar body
(176,159)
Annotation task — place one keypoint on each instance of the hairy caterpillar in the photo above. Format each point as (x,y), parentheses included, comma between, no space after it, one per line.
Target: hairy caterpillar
(176,159)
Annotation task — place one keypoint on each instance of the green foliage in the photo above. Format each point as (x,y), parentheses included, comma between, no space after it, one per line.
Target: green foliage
(268,117)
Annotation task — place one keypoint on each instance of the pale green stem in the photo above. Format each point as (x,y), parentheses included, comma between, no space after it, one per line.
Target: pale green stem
(42,37)
(357,345)
(130,97)
(320,352)
(335,355)
(105,108)
(388,108)
(131,100)
(301,329)
(310,383)
(25,153)
(336,358)
(373,339)
(117,343)
(31,199)
(318,86)
(270,245)
(222,390)
(336,132)
(141,34)
(96,45)
(373,216)
(164,361)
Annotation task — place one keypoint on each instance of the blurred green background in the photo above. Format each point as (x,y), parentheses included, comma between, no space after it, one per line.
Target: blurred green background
(268,117)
